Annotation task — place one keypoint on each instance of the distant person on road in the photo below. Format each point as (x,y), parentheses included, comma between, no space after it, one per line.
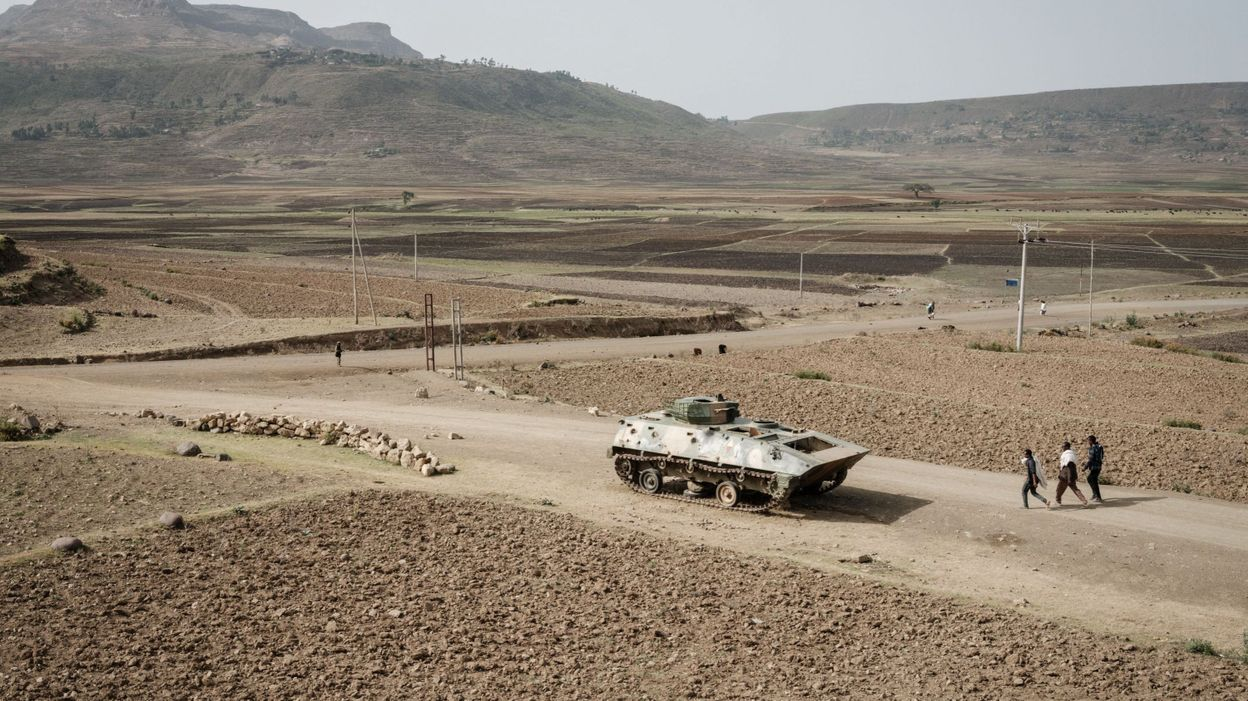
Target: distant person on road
(1044,307)
(1034,479)
(1096,455)
(931,310)
(1068,475)
(338,352)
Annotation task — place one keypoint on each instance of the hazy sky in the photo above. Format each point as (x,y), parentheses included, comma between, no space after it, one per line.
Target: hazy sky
(741,58)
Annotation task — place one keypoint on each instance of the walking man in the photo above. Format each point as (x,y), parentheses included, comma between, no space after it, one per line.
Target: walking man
(1033,481)
(1068,475)
(1096,454)
(1044,307)
(931,310)
(338,352)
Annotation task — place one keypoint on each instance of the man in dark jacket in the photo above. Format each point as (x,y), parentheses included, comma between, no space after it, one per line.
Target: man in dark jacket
(1033,480)
(1096,455)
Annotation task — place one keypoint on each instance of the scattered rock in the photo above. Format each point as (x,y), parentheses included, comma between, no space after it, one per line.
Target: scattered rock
(422,393)
(28,421)
(188,449)
(593,411)
(172,520)
(223,457)
(454,436)
(67,544)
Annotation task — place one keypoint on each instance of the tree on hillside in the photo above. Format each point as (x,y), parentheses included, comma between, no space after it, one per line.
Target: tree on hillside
(407,197)
(916,188)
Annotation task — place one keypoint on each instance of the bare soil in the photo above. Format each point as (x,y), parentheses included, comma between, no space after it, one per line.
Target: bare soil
(383,594)
(929,397)
(48,490)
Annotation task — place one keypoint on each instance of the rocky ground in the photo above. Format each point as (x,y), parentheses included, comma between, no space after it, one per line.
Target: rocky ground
(929,397)
(403,595)
(157,299)
(49,490)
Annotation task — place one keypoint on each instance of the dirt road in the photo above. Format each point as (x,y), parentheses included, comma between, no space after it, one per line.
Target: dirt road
(1154,565)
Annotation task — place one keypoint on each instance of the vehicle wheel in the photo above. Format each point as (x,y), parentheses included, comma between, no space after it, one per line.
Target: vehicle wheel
(650,480)
(727,493)
(624,468)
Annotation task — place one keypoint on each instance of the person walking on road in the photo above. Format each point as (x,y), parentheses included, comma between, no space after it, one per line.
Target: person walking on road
(1034,479)
(931,310)
(1044,307)
(1096,455)
(1068,475)
(338,352)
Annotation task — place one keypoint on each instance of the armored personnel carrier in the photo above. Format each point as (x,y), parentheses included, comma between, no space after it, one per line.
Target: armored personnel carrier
(727,460)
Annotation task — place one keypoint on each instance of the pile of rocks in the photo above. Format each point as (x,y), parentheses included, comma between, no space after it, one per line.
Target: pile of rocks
(397,451)
(20,424)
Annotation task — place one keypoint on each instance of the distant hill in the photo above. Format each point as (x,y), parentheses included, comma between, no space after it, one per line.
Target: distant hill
(1198,123)
(313,115)
(55,26)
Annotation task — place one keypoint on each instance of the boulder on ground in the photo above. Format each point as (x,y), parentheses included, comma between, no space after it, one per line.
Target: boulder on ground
(172,520)
(454,436)
(223,457)
(188,449)
(28,421)
(67,544)
(422,393)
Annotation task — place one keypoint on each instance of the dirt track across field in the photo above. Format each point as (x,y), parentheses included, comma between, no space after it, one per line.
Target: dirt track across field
(1156,565)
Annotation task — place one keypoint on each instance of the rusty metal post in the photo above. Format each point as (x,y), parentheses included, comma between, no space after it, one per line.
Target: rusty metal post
(430,363)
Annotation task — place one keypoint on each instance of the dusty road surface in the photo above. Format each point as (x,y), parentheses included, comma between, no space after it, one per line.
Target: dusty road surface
(1157,566)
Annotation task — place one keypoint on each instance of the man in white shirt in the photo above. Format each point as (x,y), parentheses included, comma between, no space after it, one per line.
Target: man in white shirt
(1068,474)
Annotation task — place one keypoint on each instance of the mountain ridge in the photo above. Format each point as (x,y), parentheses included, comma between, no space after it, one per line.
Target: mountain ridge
(52,26)
(1188,120)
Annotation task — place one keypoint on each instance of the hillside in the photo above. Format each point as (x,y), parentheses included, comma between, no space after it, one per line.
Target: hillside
(317,115)
(62,28)
(1199,123)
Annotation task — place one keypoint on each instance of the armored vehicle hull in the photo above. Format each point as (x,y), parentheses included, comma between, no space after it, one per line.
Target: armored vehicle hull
(727,460)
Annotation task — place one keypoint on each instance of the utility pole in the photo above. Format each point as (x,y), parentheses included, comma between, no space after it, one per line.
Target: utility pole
(1024,232)
(457,337)
(355,295)
(415,256)
(363,263)
(1091,264)
(801,271)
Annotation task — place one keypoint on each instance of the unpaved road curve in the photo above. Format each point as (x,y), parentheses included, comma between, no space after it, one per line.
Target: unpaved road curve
(1154,565)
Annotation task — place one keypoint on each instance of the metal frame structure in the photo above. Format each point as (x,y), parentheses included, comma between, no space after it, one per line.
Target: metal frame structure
(430,362)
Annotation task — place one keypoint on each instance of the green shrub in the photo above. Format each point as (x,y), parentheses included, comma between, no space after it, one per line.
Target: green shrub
(1181,487)
(1243,431)
(811,375)
(994,346)
(1182,423)
(1225,357)
(10,431)
(1200,647)
(1133,321)
(1147,342)
(77,321)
